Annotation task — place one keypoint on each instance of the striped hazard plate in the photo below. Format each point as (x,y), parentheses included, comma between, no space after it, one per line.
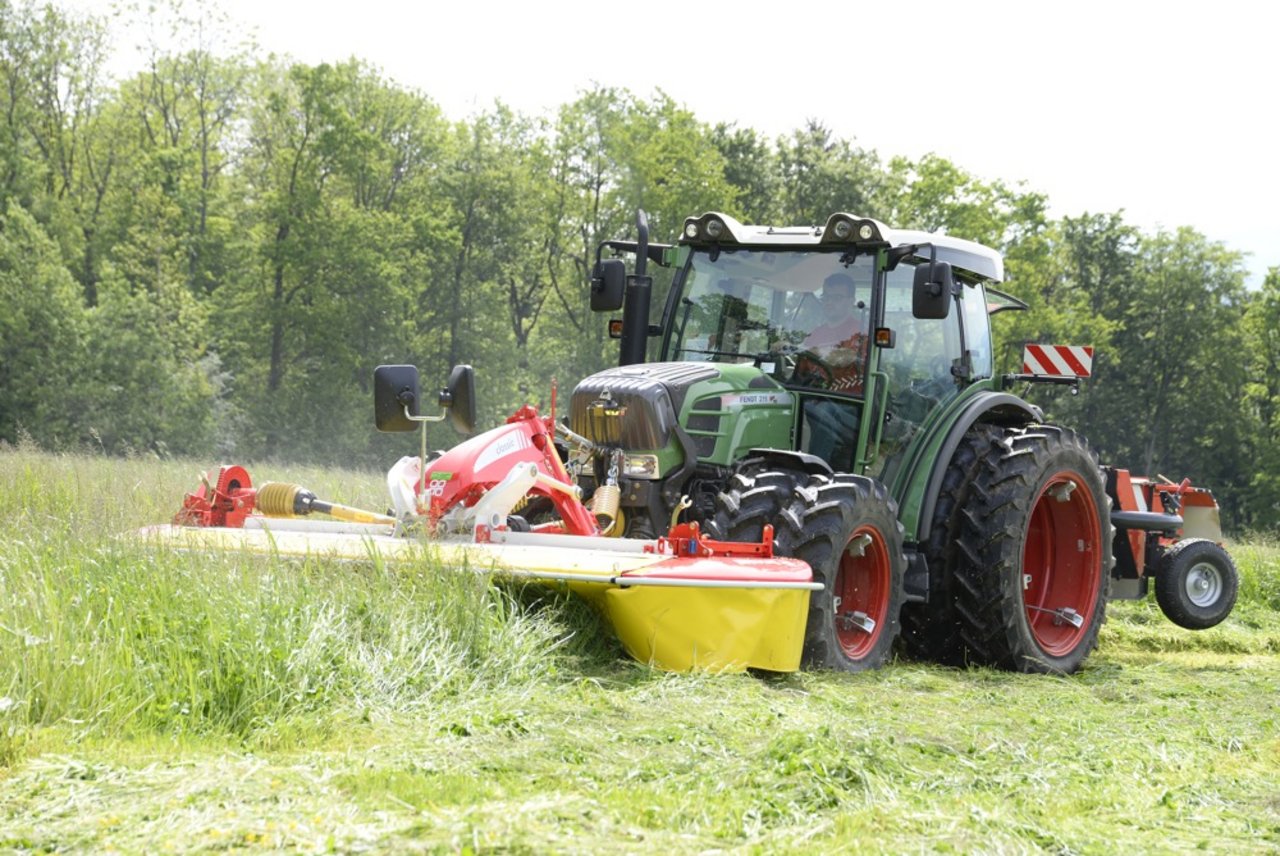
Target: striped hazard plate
(1058,360)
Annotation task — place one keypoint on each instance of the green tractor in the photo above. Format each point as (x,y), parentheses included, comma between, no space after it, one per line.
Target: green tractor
(933,504)
(836,383)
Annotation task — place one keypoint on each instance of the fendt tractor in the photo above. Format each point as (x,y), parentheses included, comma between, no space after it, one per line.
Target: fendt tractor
(894,462)
(821,461)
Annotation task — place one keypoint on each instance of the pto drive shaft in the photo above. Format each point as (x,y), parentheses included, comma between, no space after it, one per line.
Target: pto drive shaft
(277,499)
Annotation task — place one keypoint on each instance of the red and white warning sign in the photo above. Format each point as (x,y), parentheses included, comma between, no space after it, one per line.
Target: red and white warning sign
(1058,360)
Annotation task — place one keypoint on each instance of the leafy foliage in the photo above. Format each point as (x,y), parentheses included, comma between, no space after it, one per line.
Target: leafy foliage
(211,255)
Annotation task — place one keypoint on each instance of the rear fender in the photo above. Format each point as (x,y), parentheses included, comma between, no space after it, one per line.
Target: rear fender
(999,407)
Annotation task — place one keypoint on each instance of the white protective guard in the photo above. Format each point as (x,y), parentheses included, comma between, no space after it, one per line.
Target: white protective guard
(402,482)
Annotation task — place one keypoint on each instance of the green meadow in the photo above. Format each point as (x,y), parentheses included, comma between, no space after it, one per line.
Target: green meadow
(157,701)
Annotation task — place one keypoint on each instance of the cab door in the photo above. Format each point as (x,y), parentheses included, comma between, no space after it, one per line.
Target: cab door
(917,377)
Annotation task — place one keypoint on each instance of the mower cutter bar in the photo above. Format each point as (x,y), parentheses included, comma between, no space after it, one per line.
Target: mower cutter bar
(672,582)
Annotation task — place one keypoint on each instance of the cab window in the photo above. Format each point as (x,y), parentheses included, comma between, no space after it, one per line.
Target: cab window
(918,369)
(977,330)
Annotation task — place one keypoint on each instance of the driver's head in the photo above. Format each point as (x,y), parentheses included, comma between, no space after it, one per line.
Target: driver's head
(837,291)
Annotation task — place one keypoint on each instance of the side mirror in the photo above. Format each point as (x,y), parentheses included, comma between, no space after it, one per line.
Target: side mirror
(607,281)
(460,397)
(395,390)
(931,291)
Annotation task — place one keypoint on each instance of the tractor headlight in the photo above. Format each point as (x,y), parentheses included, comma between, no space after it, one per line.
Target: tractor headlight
(641,467)
(711,227)
(843,228)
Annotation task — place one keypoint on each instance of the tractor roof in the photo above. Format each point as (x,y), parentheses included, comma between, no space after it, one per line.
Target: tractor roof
(845,230)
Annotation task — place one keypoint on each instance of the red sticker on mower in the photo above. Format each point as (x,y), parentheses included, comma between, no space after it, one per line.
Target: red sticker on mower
(1058,360)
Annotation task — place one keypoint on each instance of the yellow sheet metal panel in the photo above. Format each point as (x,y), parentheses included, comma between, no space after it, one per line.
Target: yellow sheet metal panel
(716,630)
(377,541)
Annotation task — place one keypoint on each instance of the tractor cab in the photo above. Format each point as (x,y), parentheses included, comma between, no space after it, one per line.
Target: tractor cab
(842,344)
(835,327)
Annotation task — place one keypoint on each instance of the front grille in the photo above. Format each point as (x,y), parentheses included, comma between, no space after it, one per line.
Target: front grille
(648,419)
(704,425)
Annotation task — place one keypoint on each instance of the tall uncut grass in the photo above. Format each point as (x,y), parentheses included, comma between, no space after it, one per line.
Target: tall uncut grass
(103,632)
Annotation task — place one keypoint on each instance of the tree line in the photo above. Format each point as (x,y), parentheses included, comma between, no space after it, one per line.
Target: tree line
(208,257)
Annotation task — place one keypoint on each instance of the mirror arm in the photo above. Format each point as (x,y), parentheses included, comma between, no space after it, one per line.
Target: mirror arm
(422,477)
(897,254)
(933,266)
(656,253)
(642,242)
(412,418)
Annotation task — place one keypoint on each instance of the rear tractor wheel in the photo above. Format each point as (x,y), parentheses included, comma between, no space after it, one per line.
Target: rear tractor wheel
(1035,553)
(932,631)
(847,529)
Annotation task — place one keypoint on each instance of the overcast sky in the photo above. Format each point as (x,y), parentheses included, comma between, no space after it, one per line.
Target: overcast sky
(1165,110)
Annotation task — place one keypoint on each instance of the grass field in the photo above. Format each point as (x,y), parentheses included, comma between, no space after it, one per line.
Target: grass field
(156,702)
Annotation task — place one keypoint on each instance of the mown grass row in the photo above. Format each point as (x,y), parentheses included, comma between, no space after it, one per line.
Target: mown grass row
(1172,754)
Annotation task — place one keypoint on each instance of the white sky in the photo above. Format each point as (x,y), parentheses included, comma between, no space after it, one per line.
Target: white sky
(1168,111)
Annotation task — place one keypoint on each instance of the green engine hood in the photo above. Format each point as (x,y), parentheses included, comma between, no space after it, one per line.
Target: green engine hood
(726,409)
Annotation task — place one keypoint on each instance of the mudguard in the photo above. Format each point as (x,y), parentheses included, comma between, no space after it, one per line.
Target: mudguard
(1001,407)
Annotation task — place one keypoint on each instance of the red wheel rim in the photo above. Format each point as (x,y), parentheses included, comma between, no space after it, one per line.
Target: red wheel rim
(862,586)
(1062,564)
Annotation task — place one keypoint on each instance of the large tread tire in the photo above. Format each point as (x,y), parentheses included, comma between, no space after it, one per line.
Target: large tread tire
(846,528)
(754,496)
(1196,584)
(1034,562)
(932,631)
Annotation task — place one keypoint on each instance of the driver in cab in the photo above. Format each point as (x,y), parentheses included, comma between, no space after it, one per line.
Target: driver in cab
(838,342)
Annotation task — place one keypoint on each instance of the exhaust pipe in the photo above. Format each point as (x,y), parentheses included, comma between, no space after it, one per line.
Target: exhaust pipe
(635,306)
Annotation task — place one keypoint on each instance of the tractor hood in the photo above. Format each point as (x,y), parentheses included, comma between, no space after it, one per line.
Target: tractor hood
(653,394)
(725,407)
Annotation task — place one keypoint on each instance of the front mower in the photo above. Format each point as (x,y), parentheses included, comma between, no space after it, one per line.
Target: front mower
(681,601)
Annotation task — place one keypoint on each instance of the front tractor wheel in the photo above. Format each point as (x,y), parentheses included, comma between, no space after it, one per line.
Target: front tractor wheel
(847,530)
(1035,541)
(1196,584)
(754,496)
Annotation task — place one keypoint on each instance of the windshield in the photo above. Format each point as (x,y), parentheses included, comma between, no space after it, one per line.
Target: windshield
(801,316)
